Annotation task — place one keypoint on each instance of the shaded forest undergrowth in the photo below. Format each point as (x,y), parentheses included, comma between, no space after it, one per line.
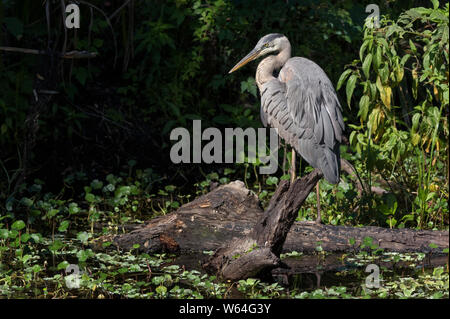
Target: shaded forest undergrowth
(55,233)
(92,169)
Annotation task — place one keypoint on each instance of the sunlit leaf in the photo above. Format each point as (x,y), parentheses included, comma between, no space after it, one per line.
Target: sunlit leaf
(351,83)
(364,107)
(18,225)
(342,78)
(366,65)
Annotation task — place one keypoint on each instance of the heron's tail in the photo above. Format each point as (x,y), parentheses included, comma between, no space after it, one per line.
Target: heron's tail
(320,156)
(330,164)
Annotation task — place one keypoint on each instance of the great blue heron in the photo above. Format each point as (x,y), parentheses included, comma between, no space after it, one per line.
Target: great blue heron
(301,103)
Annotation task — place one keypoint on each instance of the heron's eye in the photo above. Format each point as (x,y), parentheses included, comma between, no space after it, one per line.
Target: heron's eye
(266,45)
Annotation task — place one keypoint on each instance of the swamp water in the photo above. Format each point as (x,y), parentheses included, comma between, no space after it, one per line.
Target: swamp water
(134,275)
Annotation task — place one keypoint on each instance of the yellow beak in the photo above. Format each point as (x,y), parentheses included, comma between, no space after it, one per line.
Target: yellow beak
(249,57)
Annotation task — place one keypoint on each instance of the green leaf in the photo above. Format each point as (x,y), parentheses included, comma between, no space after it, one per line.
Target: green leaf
(415,139)
(62,265)
(377,58)
(386,97)
(26,201)
(122,270)
(414,87)
(13,233)
(36,268)
(367,241)
(272,180)
(122,191)
(366,65)
(435,4)
(4,233)
(251,281)
(264,193)
(56,245)
(412,46)
(25,238)
(161,290)
(373,90)
(106,244)
(109,188)
(363,48)
(384,74)
(170,188)
(385,93)
(399,72)
(73,208)
(175,204)
(351,83)
(157,280)
(18,225)
(96,184)
(249,86)
(383,42)
(364,107)
(83,237)
(36,237)
(342,78)
(426,60)
(83,255)
(52,213)
(404,59)
(90,197)
(25,258)
(352,138)
(63,226)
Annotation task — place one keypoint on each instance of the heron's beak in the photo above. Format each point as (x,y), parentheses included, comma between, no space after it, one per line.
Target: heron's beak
(249,57)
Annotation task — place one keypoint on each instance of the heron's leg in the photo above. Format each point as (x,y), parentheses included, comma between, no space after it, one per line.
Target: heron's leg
(284,158)
(293,166)
(318,219)
(318,276)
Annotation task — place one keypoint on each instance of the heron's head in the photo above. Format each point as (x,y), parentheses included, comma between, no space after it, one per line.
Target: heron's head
(269,43)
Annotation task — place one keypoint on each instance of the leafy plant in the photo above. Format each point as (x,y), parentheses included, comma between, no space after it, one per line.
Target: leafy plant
(403,79)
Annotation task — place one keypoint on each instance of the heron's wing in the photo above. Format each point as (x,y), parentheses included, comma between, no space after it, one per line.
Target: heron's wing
(303,106)
(312,101)
(273,102)
(263,117)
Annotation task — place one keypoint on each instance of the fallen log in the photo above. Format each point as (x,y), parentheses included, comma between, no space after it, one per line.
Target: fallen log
(230,212)
(259,252)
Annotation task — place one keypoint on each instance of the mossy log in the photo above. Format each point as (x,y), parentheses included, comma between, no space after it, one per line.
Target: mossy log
(248,240)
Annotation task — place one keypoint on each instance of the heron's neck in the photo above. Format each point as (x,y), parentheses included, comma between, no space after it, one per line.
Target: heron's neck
(267,66)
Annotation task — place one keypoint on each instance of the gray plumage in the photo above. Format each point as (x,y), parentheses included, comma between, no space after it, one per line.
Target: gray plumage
(301,103)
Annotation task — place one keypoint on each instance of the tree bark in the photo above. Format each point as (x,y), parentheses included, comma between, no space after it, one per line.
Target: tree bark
(248,240)
(260,251)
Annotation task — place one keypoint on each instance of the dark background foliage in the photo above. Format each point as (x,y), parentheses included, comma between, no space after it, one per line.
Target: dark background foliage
(160,64)
(85,142)
(169,65)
